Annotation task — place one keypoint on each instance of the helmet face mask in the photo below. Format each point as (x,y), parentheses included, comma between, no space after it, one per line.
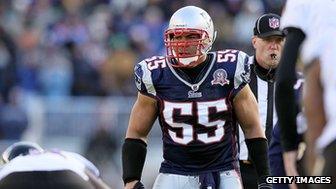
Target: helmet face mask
(186,49)
(189,21)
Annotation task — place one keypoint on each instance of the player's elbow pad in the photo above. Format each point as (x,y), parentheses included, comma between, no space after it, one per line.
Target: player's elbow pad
(133,159)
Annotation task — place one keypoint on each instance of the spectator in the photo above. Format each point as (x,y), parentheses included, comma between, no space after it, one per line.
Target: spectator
(8,60)
(13,119)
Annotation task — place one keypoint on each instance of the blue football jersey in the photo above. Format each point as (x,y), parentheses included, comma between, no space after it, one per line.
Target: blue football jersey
(197,119)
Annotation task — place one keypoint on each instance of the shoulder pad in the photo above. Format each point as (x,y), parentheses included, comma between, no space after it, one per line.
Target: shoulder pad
(143,74)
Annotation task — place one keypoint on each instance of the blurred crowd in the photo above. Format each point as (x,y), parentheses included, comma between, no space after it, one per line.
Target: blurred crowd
(89,47)
(57,48)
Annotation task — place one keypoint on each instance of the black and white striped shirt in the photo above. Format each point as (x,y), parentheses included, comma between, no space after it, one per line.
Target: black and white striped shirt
(262,86)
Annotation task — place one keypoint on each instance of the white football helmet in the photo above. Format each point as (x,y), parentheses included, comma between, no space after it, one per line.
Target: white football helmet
(189,20)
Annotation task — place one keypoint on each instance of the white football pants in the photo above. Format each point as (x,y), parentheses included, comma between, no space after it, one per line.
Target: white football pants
(228,180)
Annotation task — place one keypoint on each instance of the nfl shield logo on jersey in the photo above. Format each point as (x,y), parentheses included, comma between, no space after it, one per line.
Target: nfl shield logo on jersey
(220,77)
(274,23)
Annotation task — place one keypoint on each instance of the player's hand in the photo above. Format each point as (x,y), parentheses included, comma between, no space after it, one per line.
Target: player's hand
(134,185)
(290,160)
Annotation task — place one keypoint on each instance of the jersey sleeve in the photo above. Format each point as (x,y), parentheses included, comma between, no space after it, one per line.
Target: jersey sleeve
(296,14)
(242,73)
(143,79)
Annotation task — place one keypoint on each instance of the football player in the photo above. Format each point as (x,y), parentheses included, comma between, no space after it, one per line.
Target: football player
(28,166)
(313,23)
(198,97)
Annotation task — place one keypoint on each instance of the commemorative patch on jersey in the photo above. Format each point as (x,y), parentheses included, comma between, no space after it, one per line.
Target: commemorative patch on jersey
(220,78)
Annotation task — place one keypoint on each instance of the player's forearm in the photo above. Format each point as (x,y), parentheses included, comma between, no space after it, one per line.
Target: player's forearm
(284,94)
(314,102)
(286,108)
(130,185)
(133,159)
(258,152)
(314,111)
(134,134)
(253,131)
(139,126)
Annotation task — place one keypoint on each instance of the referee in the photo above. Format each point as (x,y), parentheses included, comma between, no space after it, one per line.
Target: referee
(267,41)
